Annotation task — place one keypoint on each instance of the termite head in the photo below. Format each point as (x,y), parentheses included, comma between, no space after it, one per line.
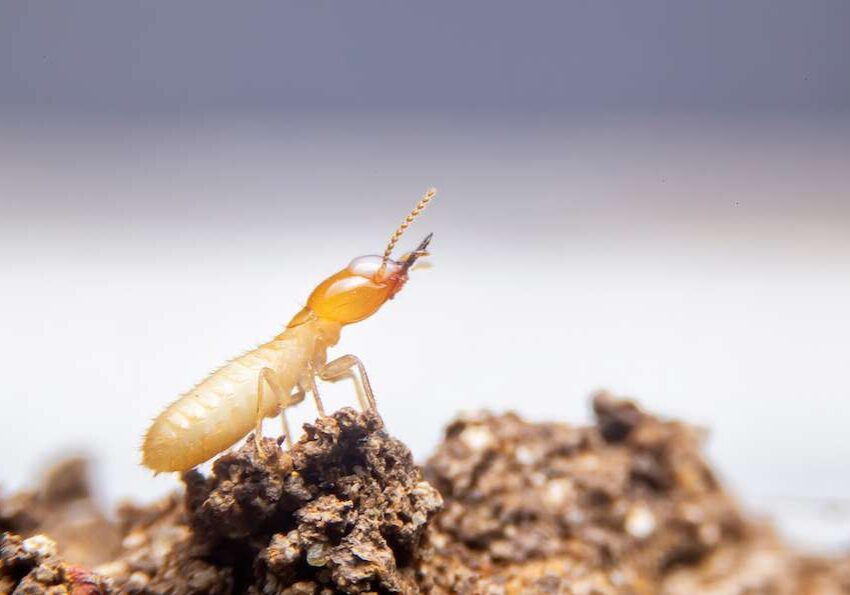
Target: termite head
(367,283)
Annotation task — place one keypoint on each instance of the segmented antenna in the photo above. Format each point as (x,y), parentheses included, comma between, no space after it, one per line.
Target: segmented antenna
(405,224)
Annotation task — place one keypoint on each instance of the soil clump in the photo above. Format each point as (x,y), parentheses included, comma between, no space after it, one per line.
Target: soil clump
(627,505)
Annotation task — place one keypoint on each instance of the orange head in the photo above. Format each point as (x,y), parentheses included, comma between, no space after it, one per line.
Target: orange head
(367,283)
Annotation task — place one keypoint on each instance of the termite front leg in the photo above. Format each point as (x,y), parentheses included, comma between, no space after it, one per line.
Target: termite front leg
(311,380)
(267,376)
(340,369)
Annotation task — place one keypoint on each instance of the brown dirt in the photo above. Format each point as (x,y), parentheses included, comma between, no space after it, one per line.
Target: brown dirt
(627,505)
(622,506)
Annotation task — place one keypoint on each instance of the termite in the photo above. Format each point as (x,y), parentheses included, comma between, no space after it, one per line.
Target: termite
(264,382)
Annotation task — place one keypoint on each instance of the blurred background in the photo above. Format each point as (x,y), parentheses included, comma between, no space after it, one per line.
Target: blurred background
(649,197)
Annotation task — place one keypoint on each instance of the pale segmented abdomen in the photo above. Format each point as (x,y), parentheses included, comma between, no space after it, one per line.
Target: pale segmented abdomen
(222,409)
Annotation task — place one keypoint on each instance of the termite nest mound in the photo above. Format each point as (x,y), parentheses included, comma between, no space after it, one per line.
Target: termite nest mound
(344,509)
(627,505)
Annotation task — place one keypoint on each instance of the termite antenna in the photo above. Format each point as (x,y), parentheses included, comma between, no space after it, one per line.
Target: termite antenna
(420,206)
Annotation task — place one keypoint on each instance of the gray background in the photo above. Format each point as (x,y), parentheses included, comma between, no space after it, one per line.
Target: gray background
(133,58)
(648,197)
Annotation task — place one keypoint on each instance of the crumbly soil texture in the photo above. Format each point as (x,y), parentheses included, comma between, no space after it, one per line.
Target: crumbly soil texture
(627,505)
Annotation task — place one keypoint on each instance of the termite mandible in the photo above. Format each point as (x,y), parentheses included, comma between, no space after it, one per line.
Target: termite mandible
(262,383)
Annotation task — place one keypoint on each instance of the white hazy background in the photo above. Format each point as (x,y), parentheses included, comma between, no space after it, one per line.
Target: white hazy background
(666,216)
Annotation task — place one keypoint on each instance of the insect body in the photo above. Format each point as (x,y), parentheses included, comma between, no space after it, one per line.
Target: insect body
(264,382)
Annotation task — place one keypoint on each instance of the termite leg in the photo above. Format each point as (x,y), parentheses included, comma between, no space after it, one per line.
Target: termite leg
(340,368)
(285,426)
(267,376)
(311,376)
(342,375)
(358,387)
(294,399)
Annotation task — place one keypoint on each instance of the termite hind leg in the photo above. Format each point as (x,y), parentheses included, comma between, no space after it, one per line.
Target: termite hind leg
(267,376)
(341,367)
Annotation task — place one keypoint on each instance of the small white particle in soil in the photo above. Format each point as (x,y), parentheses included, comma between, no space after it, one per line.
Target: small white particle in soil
(640,522)
(477,438)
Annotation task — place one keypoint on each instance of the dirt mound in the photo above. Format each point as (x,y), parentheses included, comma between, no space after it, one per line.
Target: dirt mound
(627,505)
